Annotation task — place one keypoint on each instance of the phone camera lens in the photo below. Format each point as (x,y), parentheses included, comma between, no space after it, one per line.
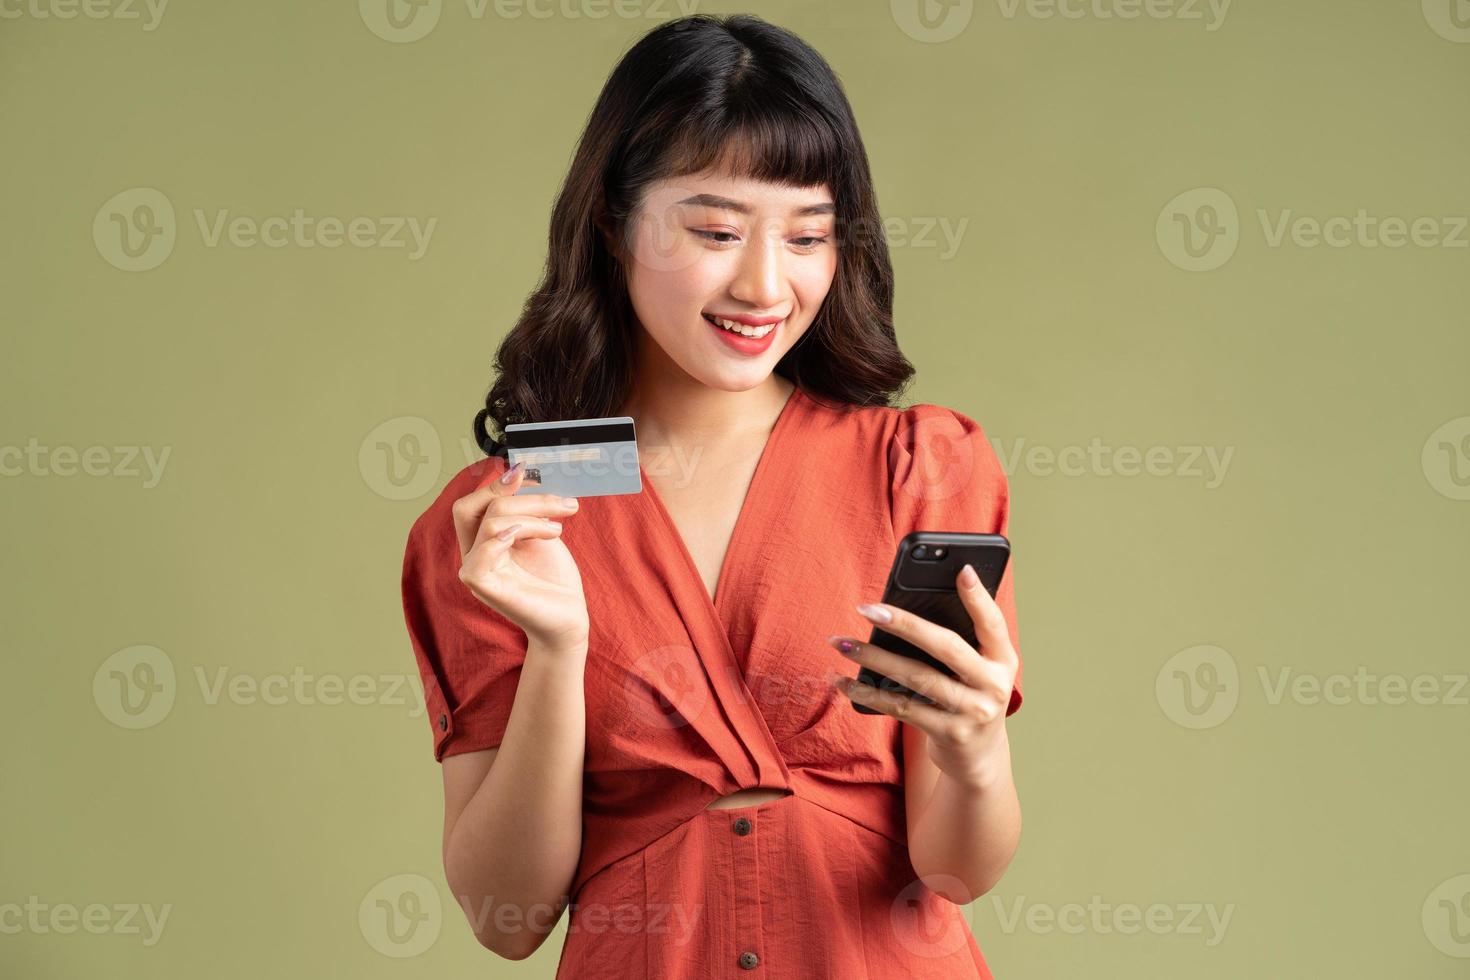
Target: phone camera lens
(921,551)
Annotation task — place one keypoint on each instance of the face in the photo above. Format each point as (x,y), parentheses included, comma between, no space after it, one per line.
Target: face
(712,251)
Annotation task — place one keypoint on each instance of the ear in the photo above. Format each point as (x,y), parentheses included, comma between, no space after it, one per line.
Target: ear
(611,240)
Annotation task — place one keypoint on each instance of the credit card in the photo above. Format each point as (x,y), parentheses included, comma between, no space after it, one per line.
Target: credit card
(578,458)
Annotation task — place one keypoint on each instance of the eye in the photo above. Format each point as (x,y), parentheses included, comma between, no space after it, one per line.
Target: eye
(710,235)
(812,241)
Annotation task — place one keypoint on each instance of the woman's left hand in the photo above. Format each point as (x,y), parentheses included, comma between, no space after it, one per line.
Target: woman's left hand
(966,724)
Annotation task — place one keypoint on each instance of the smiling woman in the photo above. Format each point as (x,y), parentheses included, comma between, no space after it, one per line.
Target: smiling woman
(630,694)
(755,260)
(716,147)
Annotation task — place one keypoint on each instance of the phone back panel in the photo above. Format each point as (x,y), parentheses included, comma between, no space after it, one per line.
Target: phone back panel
(926,588)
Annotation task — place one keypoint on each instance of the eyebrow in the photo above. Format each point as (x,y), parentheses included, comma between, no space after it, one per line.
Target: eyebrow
(725,204)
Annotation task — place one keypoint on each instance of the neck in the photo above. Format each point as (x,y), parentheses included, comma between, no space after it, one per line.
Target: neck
(685,414)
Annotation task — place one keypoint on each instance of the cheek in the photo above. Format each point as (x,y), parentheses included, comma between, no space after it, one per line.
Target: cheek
(813,280)
(673,283)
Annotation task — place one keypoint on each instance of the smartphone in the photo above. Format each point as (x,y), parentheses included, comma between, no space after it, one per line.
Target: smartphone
(922,581)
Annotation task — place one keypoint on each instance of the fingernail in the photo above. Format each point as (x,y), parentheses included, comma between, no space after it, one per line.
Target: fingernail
(506,534)
(569,502)
(968,578)
(842,643)
(875,612)
(510,474)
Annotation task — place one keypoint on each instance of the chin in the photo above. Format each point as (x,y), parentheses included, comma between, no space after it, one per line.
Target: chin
(740,379)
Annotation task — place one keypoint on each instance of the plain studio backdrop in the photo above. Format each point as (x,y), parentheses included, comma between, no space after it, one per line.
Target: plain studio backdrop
(1200,270)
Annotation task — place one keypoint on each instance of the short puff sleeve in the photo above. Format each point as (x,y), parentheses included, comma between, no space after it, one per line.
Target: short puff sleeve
(469,656)
(947,477)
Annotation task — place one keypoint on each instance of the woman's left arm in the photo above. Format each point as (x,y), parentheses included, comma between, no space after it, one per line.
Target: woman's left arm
(964,819)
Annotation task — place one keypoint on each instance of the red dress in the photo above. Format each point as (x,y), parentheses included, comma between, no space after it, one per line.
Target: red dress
(688,701)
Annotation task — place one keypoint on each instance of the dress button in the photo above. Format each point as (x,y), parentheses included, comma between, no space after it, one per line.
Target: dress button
(444,723)
(742,826)
(748,961)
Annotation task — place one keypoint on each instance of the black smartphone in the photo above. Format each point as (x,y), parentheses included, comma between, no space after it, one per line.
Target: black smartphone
(922,581)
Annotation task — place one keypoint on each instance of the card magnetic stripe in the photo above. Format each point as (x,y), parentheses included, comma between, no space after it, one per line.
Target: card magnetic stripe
(574,435)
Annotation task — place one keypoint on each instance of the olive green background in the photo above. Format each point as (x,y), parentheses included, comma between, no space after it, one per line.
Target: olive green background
(313,400)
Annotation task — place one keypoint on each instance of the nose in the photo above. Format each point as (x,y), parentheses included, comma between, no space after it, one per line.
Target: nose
(758,279)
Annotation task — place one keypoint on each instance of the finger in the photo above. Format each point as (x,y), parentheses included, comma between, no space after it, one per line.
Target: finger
(949,694)
(498,497)
(533,505)
(469,510)
(990,622)
(496,524)
(485,565)
(940,642)
(900,706)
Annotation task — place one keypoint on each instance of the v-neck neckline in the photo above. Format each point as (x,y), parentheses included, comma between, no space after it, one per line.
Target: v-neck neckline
(753,494)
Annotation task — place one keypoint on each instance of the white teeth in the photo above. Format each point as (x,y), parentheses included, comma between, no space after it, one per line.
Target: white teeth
(743,330)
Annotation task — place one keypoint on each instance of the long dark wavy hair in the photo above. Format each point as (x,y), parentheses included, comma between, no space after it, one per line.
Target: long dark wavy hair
(694,93)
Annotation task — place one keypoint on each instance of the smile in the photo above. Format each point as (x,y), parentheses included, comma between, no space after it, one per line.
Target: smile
(754,333)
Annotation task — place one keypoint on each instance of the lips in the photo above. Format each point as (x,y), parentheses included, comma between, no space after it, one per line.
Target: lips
(741,343)
(746,318)
(752,331)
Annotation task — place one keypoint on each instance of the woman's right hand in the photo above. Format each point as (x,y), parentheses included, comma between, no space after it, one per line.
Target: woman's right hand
(529,577)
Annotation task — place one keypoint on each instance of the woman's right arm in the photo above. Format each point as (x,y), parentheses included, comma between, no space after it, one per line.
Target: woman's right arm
(513,830)
(513,813)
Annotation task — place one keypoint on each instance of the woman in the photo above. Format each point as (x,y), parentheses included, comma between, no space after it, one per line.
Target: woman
(630,695)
